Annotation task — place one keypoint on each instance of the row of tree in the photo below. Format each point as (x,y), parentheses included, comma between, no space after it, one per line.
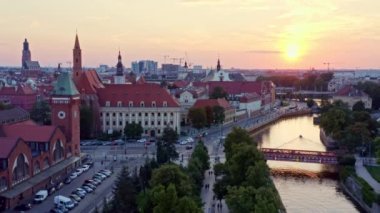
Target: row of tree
(309,81)
(205,117)
(161,186)
(351,128)
(244,179)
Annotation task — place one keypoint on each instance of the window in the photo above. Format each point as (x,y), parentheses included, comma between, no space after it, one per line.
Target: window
(165,114)
(126,114)
(58,152)
(3,184)
(146,123)
(158,122)
(36,167)
(165,104)
(107,114)
(107,123)
(133,114)
(140,123)
(142,104)
(114,123)
(121,114)
(152,123)
(130,104)
(152,114)
(101,114)
(119,104)
(108,103)
(159,131)
(171,122)
(139,114)
(171,114)
(46,163)
(120,123)
(146,131)
(186,101)
(146,114)
(114,114)
(153,104)
(158,114)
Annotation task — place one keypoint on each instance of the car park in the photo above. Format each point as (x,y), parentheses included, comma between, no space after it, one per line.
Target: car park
(40,196)
(23,207)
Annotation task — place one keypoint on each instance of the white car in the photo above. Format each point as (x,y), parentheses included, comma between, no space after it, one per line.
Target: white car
(142,140)
(73,175)
(40,196)
(79,171)
(190,140)
(183,142)
(85,167)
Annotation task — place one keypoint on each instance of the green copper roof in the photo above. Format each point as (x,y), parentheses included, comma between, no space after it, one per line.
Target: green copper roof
(65,86)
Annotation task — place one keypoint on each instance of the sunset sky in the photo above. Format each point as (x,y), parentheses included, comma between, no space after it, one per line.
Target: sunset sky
(244,33)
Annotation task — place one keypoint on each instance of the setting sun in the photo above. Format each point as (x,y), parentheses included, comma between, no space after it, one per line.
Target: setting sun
(292,51)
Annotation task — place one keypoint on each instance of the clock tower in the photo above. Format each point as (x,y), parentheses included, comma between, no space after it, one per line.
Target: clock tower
(65,104)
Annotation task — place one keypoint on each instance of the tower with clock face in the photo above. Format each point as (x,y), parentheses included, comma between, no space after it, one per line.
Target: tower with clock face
(65,104)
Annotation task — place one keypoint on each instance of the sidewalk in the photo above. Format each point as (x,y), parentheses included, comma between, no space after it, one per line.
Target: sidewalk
(362,172)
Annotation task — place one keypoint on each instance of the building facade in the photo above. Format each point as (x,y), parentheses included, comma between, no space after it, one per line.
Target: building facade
(149,105)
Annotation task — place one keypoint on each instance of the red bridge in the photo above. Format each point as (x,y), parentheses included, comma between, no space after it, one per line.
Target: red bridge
(300,156)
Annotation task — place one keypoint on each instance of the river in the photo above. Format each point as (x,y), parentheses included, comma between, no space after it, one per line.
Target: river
(307,193)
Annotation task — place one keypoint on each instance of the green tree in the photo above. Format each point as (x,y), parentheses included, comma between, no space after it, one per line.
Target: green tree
(355,135)
(171,174)
(41,113)
(125,194)
(310,102)
(218,114)
(358,106)
(165,147)
(236,137)
(334,121)
(209,115)
(86,122)
(164,198)
(133,130)
(197,117)
(241,199)
(218,92)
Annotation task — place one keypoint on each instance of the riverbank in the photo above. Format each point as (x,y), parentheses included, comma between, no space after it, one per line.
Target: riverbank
(272,118)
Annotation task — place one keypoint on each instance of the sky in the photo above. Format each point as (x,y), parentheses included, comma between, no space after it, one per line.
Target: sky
(254,34)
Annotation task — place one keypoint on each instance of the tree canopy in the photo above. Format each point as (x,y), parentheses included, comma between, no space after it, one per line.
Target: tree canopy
(218,92)
(166,151)
(133,130)
(41,113)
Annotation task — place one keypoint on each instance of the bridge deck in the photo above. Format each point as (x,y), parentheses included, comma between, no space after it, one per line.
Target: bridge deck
(300,156)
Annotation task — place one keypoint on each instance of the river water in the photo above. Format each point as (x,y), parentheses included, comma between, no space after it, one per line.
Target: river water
(303,194)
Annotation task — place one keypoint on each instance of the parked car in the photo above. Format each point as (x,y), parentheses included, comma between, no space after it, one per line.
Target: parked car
(190,140)
(67,180)
(62,208)
(189,147)
(79,194)
(79,171)
(75,197)
(64,201)
(40,196)
(23,207)
(87,189)
(142,140)
(85,167)
(93,187)
(101,174)
(90,164)
(96,180)
(56,210)
(73,175)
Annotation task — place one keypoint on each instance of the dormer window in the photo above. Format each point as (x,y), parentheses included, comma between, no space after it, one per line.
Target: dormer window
(119,104)
(108,103)
(130,104)
(142,104)
(153,104)
(165,104)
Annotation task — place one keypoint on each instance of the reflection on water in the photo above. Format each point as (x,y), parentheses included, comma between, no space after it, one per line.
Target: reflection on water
(303,194)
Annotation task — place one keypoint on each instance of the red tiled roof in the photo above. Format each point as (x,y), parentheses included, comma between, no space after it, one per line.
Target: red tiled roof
(180,84)
(135,93)
(21,89)
(236,87)
(7,144)
(201,103)
(28,133)
(89,82)
(349,90)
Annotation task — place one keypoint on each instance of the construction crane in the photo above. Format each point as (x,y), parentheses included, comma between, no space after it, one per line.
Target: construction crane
(165,57)
(328,65)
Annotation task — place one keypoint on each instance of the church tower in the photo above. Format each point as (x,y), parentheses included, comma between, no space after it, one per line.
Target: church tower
(218,66)
(65,104)
(119,78)
(26,55)
(77,60)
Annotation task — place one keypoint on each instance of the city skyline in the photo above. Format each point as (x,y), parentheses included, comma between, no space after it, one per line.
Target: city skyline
(244,34)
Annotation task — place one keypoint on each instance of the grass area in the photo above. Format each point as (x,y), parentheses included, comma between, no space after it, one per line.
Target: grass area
(374,171)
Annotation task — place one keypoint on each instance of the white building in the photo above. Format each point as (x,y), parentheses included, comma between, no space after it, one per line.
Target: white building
(149,105)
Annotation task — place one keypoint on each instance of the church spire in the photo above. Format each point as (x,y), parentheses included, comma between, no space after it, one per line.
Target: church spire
(76,46)
(218,67)
(119,66)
